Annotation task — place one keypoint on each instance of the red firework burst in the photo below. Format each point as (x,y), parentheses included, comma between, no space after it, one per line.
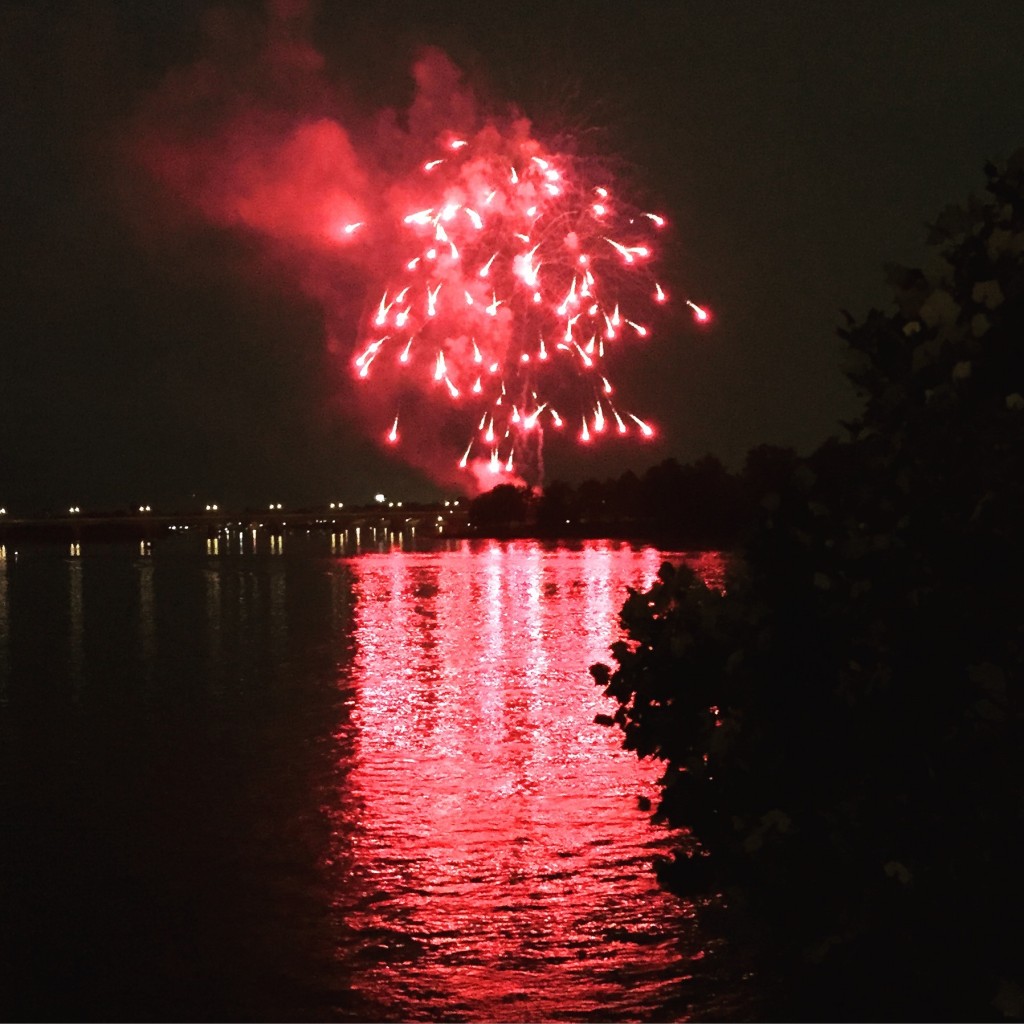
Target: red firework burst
(519,282)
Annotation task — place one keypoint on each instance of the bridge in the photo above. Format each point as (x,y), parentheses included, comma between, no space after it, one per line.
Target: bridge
(442,520)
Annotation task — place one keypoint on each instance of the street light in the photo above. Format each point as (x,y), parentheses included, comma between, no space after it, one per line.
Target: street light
(379,497)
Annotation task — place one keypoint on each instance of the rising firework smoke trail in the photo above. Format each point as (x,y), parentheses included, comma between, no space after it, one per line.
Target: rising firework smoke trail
(520,283)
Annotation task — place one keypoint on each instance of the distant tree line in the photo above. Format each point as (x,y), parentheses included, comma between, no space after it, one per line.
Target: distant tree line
(699,504)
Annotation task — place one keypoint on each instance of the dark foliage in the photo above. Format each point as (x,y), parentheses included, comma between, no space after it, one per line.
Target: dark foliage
(843,728)
(700,504)
(503,506)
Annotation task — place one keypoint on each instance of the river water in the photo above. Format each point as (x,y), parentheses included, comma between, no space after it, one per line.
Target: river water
(279,778)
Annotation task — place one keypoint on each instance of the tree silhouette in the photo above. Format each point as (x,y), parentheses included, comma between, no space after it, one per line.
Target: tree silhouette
(504,506)
(843,729)
(556,508)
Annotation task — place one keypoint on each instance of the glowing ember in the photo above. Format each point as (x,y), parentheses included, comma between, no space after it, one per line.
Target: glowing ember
(700,314)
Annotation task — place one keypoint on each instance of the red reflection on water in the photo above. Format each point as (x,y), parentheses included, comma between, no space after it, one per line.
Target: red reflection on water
(710,568)
(500,866)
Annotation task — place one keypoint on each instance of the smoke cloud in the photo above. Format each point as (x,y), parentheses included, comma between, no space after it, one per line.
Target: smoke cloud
(255,138)
(459,266)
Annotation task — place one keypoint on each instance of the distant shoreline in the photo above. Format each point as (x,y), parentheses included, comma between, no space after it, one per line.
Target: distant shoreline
(454,525)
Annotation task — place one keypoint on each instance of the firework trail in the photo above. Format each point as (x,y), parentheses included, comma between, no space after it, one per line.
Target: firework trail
(520,282)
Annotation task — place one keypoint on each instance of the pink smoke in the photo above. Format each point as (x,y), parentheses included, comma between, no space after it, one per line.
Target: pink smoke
(253,138)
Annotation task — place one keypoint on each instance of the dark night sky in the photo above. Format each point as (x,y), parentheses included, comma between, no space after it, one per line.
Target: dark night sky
(796,147)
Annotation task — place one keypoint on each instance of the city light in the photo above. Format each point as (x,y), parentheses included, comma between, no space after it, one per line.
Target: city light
(277,517)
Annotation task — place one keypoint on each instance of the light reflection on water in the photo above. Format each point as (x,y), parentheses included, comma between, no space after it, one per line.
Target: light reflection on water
(336,785)
(503,867)
(4,626)
(76,616)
